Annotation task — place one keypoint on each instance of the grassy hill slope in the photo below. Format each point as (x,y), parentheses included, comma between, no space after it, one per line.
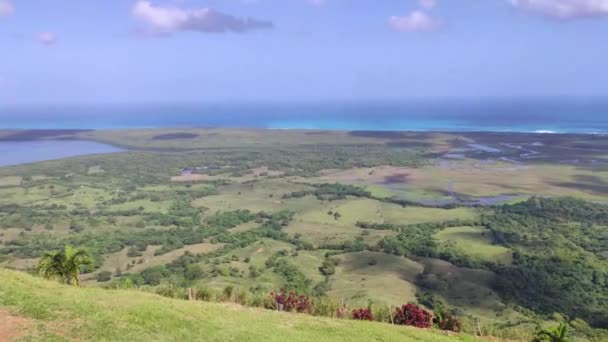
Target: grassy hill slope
(44,310)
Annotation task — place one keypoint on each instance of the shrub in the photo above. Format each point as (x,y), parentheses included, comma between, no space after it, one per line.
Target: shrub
(321,288)
(412,314)
(204,293)
(260,300)
(324,306)
(133,252)
(104,276)
(327,268)
(363,314)
(382,314)
(445,320)
(241,297)
(171,292)
(227,293)
(291,302)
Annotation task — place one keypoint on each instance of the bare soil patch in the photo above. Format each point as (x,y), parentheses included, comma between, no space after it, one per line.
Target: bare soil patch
(12,327)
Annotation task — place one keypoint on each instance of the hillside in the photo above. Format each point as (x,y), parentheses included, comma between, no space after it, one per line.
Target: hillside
(35,309)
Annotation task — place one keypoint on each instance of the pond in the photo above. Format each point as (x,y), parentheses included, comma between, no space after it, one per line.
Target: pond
(22,152)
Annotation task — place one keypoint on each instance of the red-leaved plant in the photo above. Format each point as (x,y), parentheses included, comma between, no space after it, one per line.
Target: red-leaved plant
(291,302)
(412,314)
(444,320)
(448,322)
(363,315)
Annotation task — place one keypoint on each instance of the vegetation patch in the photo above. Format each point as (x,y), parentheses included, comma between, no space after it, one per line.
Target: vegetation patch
(175,136)
(476,242)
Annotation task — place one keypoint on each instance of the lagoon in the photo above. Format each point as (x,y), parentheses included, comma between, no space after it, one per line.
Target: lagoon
(23,152)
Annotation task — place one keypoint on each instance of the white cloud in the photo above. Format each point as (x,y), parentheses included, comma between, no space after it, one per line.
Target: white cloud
(6,8)
(428,4)
(47,38)
(317,2)
(166,20)
(564,9)
(416,21)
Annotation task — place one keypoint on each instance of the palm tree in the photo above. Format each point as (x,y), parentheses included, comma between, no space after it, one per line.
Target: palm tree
(556,334)
(65,265)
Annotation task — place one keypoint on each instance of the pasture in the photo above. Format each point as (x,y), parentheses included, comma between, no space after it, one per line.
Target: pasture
(475,242)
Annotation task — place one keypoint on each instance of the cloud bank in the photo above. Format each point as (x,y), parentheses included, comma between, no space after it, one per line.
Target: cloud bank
(47,38)
(416,21)
(564,9)
(167,20)
(6,8)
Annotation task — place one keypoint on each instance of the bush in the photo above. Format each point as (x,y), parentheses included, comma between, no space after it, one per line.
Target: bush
(133,252)
(363,314)
(382,314)
(321,288)
(324,306)
(291,302)
(259,300)
(327,268)
(241,297)
(445,320)
(104,276)
(227,293)
(170,292)
(204,293)
(412,314)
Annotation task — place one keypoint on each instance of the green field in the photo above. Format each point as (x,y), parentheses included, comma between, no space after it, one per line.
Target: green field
(476,242)
(46,311)
(360,276)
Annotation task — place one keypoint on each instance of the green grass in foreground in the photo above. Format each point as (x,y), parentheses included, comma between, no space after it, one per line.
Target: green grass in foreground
(56,313)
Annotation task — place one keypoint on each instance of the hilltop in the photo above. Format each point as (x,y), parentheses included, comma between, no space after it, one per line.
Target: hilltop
(43,310)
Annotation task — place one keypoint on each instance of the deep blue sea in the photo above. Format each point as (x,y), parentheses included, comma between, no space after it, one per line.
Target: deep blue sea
(505,115)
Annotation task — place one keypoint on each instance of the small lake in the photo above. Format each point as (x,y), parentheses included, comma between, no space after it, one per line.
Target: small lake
(22,152)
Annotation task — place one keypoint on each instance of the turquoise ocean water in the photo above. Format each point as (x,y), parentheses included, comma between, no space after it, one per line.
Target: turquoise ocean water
(505,115)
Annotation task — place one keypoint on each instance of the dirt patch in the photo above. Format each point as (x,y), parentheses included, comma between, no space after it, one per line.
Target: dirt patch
(260,250)
(12,327)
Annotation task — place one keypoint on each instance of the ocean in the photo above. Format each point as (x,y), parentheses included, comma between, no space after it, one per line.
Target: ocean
(499,115)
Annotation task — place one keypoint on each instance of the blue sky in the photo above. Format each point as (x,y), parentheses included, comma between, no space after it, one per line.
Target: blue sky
(130,51)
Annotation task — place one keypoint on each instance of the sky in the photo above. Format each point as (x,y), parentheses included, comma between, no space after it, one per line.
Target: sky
(136,51)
